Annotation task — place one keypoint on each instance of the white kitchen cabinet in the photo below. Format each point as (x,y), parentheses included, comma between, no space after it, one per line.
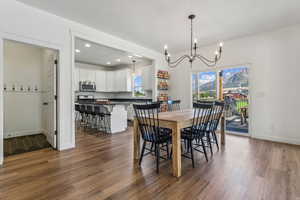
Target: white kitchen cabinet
(100,81)
(126,78)
(147,77)
(118,80)
(110,81)
(106,81)
(76,79)
(123,80)
(87,75)
(118,76)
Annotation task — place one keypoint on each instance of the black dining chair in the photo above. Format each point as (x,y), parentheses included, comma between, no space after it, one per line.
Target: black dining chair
(174,105)
(213,124)
(151,132)
(202,114)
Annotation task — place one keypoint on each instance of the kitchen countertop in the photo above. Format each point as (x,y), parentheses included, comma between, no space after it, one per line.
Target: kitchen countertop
(130,99)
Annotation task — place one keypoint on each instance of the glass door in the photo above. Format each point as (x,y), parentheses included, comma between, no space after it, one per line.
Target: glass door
(236,96)
(235,92)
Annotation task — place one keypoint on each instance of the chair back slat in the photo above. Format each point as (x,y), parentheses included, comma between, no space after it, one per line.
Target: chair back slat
(201,118)
(147,116)
(216,115)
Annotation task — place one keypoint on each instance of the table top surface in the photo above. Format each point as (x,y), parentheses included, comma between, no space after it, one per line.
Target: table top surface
(177,116)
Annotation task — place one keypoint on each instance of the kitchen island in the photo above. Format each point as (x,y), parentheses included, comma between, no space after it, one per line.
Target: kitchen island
(112,116)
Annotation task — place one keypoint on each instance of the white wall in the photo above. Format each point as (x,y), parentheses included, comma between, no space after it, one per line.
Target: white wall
(22,68)
(25,23)
(274,73)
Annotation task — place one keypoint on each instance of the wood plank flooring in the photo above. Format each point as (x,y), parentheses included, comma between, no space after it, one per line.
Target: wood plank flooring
(101,167)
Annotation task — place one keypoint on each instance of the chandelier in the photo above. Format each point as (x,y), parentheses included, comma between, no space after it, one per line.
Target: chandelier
(193,52)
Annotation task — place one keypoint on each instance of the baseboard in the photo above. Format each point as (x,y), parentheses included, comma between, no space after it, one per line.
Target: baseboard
(22,133)
(66,146)
(1,161)
(277,139)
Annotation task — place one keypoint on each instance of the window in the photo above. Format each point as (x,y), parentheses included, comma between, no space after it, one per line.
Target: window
(204,85)
(138,89)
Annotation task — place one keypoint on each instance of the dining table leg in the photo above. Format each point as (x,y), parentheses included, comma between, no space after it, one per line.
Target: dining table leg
(136,140)
(176,145)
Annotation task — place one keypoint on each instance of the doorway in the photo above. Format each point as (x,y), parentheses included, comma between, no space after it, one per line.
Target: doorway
(29,97)
(234,85)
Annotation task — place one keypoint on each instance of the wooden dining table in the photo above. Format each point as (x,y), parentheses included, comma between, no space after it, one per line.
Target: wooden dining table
(175,120)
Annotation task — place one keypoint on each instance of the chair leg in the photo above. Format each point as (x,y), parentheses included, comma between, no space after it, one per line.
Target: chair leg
(216,139)
(151,149)
(204,150)
(209,143)
(142,153)
(157,157)
(192,153)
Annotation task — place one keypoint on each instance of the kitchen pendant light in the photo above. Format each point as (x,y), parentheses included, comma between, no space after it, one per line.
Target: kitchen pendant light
(133,67)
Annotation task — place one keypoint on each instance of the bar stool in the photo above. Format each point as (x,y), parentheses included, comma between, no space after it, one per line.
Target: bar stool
(107,119)
(99,118)
(89,116)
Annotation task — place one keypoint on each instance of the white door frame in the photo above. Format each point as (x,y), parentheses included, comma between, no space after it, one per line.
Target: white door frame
(219,68)
(92,38)
(37,42)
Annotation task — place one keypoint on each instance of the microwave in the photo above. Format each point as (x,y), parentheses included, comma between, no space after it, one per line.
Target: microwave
(87,86)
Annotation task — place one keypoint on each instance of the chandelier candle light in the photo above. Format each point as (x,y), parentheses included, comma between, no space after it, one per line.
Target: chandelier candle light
(193,52)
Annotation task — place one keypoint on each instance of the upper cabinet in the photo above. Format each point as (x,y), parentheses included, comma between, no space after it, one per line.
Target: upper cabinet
(147,76)
(87,75)
(122,80)
(110,81)
(100,81)
(106,81)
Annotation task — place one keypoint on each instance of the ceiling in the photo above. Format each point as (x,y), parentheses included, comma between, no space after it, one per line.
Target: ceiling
(155,23)
(103,55)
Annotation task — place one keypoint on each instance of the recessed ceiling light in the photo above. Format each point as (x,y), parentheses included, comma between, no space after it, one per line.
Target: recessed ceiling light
(136,55)
(129,56)
(118,60)
(87,45)
(108,63)
(77,50)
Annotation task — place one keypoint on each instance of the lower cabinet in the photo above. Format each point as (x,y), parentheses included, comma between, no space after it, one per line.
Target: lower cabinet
(118,119)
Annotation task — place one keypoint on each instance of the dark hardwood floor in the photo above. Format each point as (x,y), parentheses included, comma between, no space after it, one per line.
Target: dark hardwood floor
(101,167)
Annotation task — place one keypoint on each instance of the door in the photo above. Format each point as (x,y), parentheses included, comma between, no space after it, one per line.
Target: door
(233,89)
(50,97)
(236,97)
